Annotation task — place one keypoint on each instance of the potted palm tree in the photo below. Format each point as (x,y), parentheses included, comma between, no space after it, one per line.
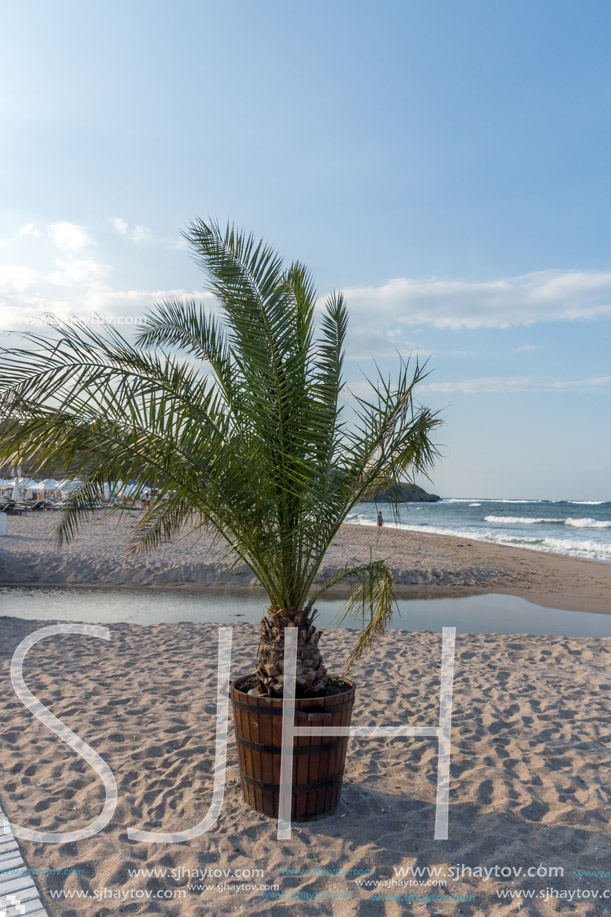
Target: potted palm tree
(234,420)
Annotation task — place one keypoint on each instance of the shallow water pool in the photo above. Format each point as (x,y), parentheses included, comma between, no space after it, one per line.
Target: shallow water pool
(482,614)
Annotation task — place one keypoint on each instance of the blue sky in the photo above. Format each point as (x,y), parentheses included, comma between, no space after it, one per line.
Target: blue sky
(446,164)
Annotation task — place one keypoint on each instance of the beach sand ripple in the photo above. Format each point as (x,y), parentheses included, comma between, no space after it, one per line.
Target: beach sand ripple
(530,779)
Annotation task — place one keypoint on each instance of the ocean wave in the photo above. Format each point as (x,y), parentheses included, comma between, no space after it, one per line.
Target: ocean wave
(522,501)
(586,502)
(488,500)
(586,523)
(589,523)
(522,520)
(470,500)
(475,504)
(590,550)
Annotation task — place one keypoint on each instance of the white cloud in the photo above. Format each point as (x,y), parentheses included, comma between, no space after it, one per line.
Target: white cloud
(141,234)
(29,229)
(16,279)
(493,385)
(105,301)
(69,237)
(542,296)
(508,384)
(363,343)
(27,311)
(120,225)
(67,282)
(77,271)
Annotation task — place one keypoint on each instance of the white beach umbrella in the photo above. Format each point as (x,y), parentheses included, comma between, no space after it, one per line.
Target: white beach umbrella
(19,484)
(69,485)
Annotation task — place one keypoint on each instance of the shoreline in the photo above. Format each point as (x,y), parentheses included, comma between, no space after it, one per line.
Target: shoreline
(495,544)
(424,565)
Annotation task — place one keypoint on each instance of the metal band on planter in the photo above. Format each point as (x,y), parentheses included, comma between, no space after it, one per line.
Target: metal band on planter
(298,750)
(300,788)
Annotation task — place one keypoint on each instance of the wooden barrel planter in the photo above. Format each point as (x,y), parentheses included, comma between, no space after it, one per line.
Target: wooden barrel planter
(318,761)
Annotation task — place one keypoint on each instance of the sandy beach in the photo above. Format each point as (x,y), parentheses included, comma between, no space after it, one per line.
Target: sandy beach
(530,769)
(422,563)
(529,775)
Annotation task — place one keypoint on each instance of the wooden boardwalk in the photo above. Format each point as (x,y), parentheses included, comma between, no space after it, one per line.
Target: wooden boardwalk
(18,893)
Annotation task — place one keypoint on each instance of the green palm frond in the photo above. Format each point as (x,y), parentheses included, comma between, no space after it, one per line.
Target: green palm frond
(233,417)
(371,602)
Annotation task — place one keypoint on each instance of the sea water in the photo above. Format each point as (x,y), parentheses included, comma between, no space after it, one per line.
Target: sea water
(577,528)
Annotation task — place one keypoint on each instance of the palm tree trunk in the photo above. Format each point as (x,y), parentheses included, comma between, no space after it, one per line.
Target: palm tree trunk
(311,674)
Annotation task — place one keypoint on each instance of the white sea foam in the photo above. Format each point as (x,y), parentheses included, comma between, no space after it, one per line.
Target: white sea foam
(586,523)
(559,526)
(587,502)
(589,523)
(522,520)
(505,500)
(487,500)
(521,501)
(592,550)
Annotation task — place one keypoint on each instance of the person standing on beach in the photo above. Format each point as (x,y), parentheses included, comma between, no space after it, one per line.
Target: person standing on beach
(380,520)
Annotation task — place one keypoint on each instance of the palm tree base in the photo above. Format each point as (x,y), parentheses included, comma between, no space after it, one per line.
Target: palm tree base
(311,673)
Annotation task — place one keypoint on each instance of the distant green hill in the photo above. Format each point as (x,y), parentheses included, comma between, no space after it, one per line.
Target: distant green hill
(408,493)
